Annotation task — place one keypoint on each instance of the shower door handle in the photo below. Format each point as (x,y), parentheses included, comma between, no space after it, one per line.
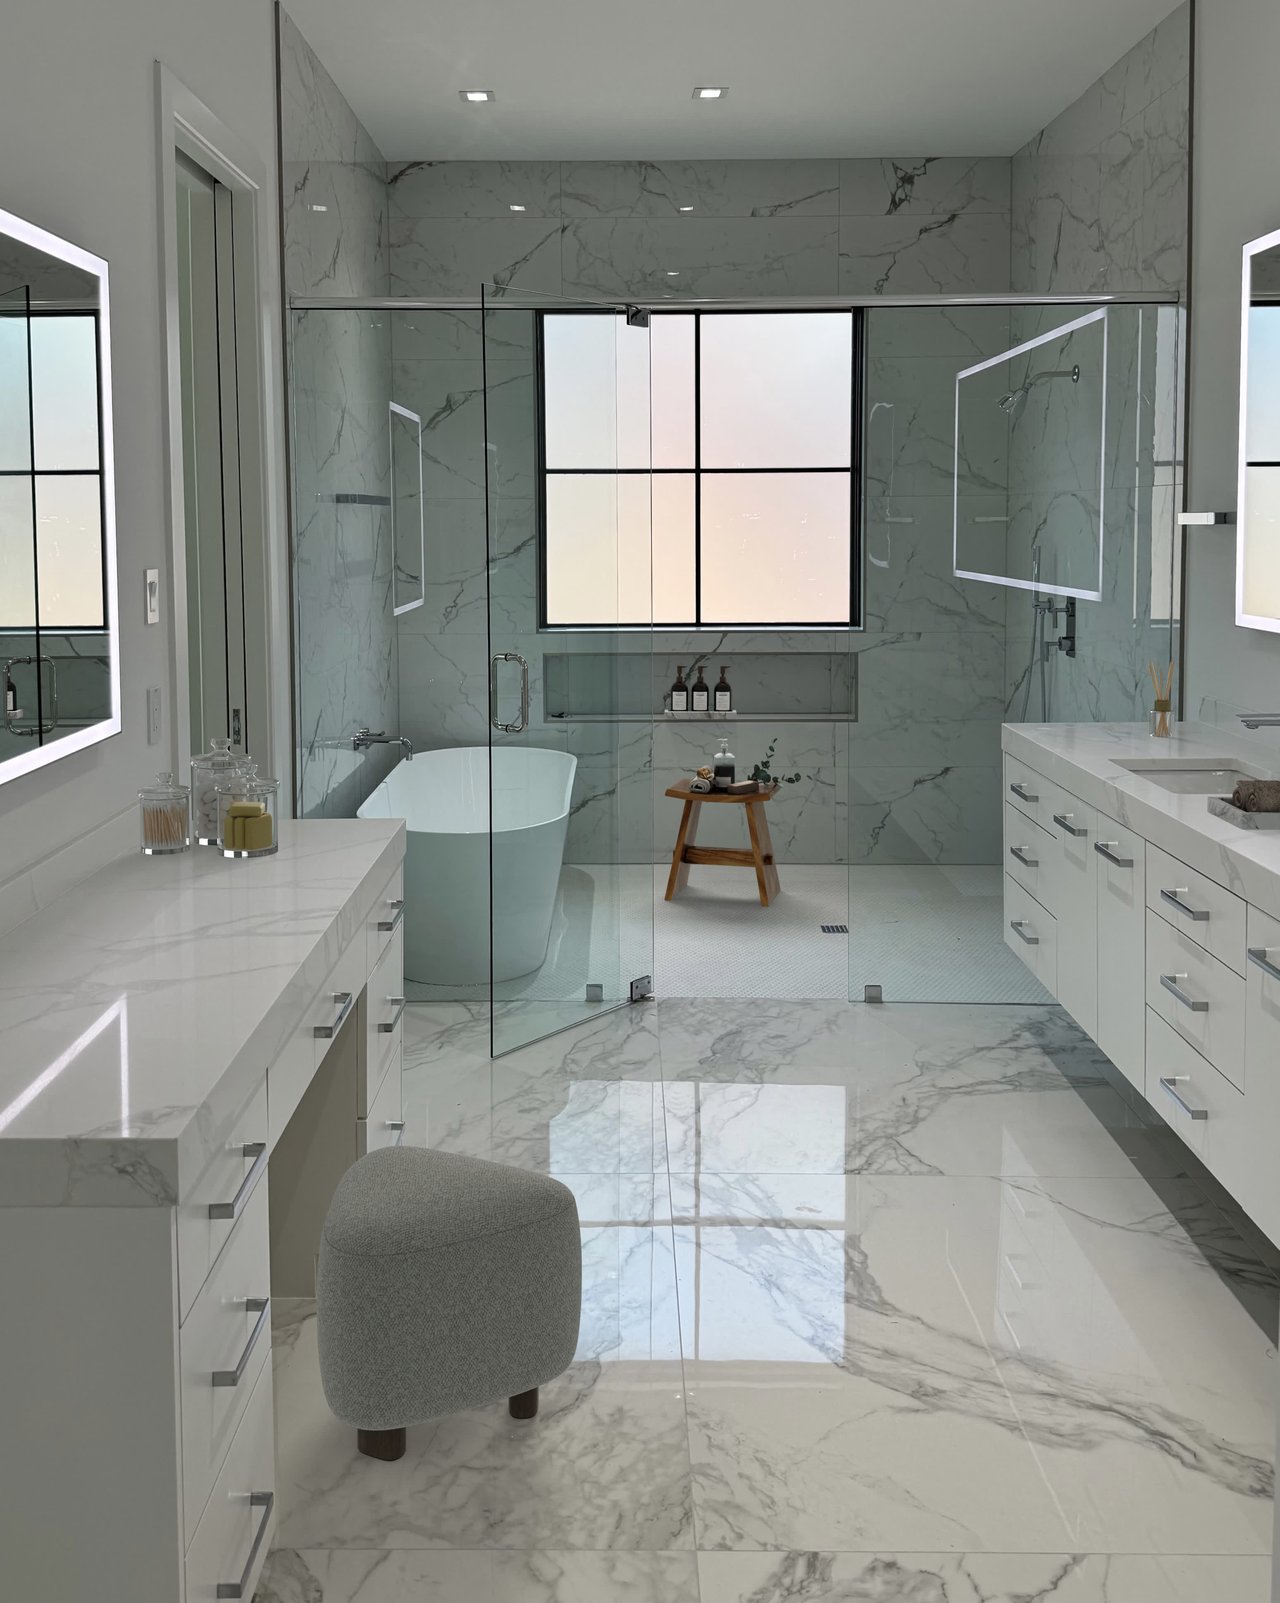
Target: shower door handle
(508,656)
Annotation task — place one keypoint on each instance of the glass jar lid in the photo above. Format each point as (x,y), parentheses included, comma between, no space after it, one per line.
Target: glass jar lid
(165,789)
(219,755)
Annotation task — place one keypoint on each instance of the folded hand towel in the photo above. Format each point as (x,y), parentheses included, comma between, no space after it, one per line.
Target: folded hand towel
(1257,796)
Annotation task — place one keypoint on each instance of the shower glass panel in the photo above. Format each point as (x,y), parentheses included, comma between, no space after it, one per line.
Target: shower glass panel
(970,539)
(569,520)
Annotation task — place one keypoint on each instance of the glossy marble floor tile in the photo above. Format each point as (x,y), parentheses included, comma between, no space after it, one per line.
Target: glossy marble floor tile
(405,1576)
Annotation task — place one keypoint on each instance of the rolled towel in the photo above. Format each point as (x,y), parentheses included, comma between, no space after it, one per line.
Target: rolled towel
(700,785)
(1257,796)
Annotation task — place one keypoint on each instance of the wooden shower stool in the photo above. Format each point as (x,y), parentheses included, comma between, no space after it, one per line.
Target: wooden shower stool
(760,856)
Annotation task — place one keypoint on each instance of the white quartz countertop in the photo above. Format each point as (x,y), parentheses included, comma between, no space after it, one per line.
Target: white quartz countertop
(1084,758)
(146,1002)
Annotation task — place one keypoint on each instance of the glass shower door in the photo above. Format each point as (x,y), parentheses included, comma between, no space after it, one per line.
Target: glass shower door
(571,673)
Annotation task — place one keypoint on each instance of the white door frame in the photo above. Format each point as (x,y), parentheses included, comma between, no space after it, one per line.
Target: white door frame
(185,123)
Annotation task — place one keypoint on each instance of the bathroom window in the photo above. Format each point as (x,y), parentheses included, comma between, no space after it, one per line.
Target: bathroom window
(700,473)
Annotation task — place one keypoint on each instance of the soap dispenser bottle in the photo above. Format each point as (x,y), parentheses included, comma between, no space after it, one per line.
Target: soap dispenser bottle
(700,695)
(723,698)
(680,693)
(723,767)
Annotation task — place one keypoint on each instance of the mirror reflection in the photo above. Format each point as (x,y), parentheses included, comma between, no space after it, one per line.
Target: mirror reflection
(1258,572)
(57,648)
(408,538)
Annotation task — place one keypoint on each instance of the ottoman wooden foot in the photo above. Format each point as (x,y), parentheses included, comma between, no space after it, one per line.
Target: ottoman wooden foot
(524,1405)
(384,1444)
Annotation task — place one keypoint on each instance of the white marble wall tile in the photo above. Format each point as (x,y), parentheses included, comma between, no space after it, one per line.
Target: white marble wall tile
(794,188)
(1165,223)
(928,185)
(420,189)
(708,256)
(913,451)
(944,815)
(912,254)
(909,580)
(461,255)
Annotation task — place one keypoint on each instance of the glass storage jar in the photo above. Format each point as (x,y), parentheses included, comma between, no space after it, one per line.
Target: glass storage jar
(165,813)
(207,768)
(248,810)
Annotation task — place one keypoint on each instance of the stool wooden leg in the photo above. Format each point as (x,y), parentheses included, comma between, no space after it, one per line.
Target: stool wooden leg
(762,856)
(384,1444)
(524,1405)
(766,845)
(679,875)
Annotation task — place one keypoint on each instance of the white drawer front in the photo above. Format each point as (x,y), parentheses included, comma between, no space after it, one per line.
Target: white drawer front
(384,1019)
(386,918)
(201,1237)
(1025,789)
(292,1072)
(1032,932)
(228,1332)
(385,1125)
(1211,915)
(1200,998)
(1029,854)
(1119,858)
(1073,901)
(1211,1116)
(1262,1069)
(234,1534)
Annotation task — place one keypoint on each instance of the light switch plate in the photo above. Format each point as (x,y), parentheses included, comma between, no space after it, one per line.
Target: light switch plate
(153,595)
(153,716)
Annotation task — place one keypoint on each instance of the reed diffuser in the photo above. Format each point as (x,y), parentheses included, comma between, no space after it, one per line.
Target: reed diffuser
(1162,706)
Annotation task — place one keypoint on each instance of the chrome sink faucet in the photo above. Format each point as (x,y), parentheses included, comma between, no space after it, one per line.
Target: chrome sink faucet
(364,738)
(1260,720)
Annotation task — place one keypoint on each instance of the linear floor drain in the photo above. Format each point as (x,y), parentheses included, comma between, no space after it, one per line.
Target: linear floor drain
(835,929)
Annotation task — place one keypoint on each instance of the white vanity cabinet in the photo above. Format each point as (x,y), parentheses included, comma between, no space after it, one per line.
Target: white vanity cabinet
(1074,903)
(1119,865)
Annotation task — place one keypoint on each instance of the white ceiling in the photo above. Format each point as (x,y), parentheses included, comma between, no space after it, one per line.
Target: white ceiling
(596,80)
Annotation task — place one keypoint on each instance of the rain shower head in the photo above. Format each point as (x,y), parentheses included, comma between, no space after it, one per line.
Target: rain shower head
(1010,403)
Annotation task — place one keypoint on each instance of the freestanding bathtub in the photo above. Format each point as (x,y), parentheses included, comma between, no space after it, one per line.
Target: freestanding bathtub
(443,797)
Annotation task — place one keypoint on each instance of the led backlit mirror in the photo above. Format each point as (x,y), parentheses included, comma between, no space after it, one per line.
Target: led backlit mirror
(1030,453)
(1258,496)
(408,532)
(59,647)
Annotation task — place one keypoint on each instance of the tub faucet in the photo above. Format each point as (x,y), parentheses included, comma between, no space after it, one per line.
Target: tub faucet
(1260,720)
(364,738)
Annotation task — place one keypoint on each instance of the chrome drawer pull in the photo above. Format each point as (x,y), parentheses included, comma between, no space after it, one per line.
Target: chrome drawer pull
(254,1305)
(1104,849)
(398,1126)
(399,1003)
(344,999)
(386,925)
(1170,1083)
(1020,852)
(1170,983)
(1022,793)
(1063,821)
(266,1501)
(1258,955)
(1018,926)
(257,1150)
(1173,897)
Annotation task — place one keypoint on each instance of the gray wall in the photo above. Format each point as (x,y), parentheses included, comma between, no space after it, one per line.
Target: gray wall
(1237,197)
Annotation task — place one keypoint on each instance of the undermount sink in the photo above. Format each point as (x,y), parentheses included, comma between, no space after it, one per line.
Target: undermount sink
(1193,776)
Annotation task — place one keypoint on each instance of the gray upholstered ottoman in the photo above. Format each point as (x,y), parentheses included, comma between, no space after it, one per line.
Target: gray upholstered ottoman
(444,1283)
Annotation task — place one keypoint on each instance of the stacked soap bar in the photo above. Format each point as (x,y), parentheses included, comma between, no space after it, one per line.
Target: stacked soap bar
(247,826)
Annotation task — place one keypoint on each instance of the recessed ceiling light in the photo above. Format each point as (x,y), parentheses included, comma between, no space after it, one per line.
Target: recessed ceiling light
(315,208)
(684,208)
(476,96)
(673,272)
(703,93)
(515,208)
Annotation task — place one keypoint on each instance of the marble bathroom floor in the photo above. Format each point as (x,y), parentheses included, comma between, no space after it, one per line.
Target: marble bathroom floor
(881,1305)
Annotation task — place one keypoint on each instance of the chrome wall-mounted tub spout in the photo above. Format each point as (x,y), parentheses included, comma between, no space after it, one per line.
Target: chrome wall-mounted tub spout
(364,738)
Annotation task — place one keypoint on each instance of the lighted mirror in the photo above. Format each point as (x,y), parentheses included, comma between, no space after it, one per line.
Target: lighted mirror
(1029,486)
(59,646)
(1258,496)
(408,528)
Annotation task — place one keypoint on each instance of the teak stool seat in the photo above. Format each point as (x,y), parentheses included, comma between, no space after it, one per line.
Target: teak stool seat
(759,857)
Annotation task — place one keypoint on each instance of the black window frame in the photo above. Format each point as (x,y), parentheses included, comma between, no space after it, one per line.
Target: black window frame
(857,383)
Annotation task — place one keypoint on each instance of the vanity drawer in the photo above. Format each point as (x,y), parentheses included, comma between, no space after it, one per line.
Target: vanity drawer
(1205,1110)
(222,1347)
(1211,915)
(1032,932)
(1029,854)
(1207,1006)
(386,918)
(385,1125)
(238,1165)
(1119,858)
(1026,790)
(293,1070)
(235,1530)
(384,1020)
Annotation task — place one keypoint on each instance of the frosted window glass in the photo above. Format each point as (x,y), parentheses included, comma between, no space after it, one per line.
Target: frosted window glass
(1262,542)
(64,392)
(777,390)
(596,395)
(775,547)
(1262,405)
(15,398)
(598,549)
(672,404)
(69,547)
(17,556)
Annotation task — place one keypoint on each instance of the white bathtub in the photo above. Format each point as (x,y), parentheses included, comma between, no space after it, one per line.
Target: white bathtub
(443,796)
